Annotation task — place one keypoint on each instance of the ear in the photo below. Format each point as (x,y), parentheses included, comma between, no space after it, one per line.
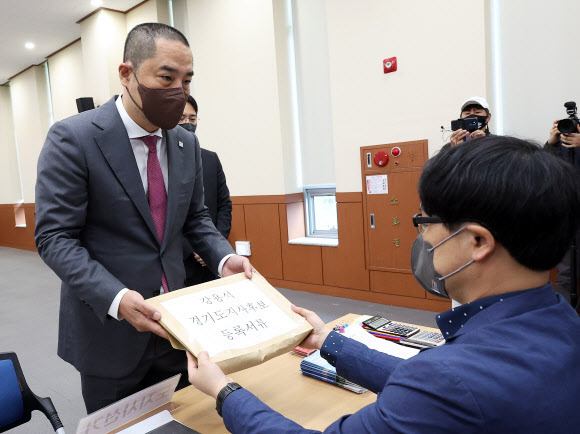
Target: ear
(488,118)
(125,71)
(483,244)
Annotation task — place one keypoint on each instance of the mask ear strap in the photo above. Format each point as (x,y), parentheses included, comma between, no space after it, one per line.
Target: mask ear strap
(450,236)
(456,271)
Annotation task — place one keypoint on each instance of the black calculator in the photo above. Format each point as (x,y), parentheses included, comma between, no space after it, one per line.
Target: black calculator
(376,322)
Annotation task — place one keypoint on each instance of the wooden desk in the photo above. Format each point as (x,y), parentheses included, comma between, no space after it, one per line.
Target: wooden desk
(279,383)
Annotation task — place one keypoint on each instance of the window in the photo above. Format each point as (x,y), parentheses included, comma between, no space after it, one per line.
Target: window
(321,217)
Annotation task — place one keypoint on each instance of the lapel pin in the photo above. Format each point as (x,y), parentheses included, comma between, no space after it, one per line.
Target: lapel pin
(180,144)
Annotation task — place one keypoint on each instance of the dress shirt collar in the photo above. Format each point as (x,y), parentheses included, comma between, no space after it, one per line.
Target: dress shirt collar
(451,322)
(133,130)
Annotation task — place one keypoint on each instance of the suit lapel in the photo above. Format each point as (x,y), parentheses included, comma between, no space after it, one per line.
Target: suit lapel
(116,148)
(175,168)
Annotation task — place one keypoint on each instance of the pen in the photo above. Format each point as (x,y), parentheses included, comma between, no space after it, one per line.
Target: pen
(386,336)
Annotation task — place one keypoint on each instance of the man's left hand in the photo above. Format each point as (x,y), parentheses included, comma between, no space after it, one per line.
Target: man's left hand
(476,134)
(571,140)
(205,375)
(236,264)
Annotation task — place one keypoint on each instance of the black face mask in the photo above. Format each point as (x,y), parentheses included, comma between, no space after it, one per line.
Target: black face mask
(189,127)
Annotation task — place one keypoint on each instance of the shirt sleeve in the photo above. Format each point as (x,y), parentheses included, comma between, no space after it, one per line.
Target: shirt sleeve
(358,363)
(114,309)
(421,397)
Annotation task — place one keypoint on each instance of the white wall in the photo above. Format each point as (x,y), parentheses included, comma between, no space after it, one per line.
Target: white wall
(432,80)
(9,171)
(66,80)
(102,37)
(154,11)
(235,85)
(31,119)
(313,76)
(540,64)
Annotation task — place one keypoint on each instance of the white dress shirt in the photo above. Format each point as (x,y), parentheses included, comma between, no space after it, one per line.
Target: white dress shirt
(141,152)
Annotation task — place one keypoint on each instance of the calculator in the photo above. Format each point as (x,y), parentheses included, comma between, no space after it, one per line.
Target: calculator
(376,322)
(396,328)
(427,338)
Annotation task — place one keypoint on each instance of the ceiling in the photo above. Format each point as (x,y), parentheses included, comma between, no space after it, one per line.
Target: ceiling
(49,24)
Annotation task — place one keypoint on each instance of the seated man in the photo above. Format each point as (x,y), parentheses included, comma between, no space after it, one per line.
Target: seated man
(510,361)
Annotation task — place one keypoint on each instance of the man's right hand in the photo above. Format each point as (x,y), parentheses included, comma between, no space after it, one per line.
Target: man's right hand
(458,137)
(141,315)
(319,330)
(554,134)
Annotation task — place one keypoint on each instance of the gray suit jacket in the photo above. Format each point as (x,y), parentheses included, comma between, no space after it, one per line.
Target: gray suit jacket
(94,228)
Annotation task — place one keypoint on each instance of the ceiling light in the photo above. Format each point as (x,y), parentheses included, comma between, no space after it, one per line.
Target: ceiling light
(29,45)
(97,3)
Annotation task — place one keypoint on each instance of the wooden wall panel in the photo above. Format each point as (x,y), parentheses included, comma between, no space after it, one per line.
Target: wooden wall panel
(344,266)
(373,297)
(301,263)
(10,235)
(238,232)
(403,284)
(263,232)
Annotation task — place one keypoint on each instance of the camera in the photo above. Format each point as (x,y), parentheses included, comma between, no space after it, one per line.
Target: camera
(569,125)
(470,123)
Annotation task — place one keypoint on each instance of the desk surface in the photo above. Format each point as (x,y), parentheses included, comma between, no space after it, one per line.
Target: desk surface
(279,383)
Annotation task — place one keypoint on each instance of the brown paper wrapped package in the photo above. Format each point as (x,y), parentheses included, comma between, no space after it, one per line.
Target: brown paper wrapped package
(235,360)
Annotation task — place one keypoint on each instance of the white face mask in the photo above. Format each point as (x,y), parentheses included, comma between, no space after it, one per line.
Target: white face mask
(424,270)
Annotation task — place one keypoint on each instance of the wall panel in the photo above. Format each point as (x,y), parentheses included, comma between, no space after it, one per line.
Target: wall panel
(301,263)
(263,232)
(344,265)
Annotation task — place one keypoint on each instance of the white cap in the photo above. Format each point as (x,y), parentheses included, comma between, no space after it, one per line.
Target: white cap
(479,100)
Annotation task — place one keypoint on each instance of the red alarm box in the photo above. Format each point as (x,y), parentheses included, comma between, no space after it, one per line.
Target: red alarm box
(381,158)
(390,65)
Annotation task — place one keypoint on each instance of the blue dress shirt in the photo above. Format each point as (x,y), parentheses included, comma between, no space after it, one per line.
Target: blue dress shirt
(510,365)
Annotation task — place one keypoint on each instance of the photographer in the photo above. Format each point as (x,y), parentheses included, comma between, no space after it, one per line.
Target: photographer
(476,108)
(564,144)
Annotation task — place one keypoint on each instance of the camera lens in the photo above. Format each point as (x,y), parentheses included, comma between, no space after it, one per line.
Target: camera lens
(567,126)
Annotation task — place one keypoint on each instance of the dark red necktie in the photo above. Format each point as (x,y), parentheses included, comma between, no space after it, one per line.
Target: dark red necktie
(157,194)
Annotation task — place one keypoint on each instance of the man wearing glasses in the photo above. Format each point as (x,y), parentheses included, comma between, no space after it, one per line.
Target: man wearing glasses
(216,199)
(510,361)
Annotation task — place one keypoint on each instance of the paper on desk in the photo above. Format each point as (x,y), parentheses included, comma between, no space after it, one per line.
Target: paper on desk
(155,421)
(356,332)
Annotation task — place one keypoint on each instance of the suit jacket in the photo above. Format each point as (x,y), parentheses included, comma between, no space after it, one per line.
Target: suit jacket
(94,228)
(219,205)
(511,368)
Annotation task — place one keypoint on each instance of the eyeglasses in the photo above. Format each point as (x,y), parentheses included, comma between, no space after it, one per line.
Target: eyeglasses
(420,222)
(191,119)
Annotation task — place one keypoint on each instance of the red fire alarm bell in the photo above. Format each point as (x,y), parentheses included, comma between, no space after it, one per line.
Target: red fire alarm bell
(396,151)
(390,65)
(381,158)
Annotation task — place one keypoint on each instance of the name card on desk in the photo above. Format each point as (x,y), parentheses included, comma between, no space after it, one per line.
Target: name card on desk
(238,321)
(115,415)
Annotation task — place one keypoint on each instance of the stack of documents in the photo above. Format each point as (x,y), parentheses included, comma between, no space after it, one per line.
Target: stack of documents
(315,366)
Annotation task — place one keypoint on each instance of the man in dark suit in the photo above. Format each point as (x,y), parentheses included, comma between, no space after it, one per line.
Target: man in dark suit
(217,201)
(118,187)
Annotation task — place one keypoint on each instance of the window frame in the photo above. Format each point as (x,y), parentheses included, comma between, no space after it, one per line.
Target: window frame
(309,213)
